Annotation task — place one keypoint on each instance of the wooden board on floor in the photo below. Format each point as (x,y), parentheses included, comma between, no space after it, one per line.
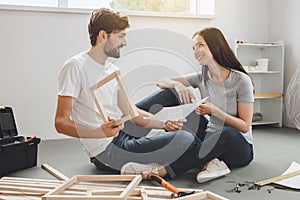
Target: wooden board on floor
(198,195)
(27,188)
(122,194)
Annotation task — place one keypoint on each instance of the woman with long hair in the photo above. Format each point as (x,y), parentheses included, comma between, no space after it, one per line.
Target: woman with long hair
(222,124)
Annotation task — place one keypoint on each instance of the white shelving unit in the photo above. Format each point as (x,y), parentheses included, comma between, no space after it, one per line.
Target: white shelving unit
(268,84)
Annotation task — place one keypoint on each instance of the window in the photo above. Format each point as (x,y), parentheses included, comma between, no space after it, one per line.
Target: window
(187,7)
(180,7)
(90,4)
(46,3)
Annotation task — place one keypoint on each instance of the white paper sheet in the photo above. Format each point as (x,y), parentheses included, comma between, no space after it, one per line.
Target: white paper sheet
(293,182)
(177,112)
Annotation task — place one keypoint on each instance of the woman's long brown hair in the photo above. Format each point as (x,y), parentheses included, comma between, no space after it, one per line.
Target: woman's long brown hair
(220,49)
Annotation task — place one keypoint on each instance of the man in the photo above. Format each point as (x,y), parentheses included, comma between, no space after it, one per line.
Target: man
(106,143)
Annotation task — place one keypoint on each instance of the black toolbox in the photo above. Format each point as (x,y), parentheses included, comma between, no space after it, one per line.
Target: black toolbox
(16,152)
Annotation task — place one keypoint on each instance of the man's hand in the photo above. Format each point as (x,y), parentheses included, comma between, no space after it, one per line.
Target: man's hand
(173,125)
(112,127)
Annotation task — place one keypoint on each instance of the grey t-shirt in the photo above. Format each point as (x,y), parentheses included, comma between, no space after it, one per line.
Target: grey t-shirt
(236,88)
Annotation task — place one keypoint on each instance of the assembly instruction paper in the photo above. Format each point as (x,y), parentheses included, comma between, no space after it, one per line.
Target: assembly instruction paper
(177,112)
(293,182)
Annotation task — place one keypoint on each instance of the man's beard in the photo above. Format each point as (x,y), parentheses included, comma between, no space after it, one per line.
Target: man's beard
(110,51)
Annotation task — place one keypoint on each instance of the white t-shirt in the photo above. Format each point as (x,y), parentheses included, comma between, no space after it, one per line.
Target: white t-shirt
(236,88)
(78,74)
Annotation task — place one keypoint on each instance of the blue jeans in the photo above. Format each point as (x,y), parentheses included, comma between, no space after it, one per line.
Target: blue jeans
(179,151)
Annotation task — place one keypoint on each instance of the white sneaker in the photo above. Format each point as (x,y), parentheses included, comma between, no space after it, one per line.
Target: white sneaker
(137,168)
(213,169)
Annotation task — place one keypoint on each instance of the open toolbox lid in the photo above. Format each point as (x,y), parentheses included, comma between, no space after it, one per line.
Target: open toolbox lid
(8,126)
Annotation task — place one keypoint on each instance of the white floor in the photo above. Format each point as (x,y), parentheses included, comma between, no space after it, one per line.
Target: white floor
(275,150)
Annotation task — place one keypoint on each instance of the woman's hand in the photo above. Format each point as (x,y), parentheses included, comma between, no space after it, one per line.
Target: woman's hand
(185,95)
(173,125)
(112,127)
(206,108)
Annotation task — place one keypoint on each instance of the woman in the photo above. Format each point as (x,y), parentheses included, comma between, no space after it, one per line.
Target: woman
(226,140)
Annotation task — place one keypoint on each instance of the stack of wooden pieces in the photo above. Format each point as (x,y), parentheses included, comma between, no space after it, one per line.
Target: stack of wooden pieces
(96,187)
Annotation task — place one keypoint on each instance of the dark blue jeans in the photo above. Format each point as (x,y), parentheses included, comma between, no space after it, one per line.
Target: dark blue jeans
(179,151)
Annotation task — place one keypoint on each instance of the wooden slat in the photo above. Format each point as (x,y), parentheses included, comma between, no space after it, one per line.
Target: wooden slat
(18,193)
(54,172)
(268,95)
(56,182)
(64,186)
(56,193)
(132,109)
(132,185)
(278,178)
(26,187)
(30,179)
(105,80)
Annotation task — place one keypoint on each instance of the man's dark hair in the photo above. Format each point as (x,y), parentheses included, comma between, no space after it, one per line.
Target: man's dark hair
(107,20)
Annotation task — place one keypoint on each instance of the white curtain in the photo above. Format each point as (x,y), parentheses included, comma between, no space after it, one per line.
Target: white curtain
(292,99)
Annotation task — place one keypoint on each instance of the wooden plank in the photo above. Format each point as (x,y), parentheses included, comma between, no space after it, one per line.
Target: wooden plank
(38,191)
(54,172)
(106,192)
(132,185)
(23,189)
(198,195)
(34,187)
(144,195)
(30,179)
(115,75)
(62,187)
(96,97)
(105,80)
(100,106)
(19,198)
(278,178)
(45,187)
(106,177)
(268,95)
(65,197)
(133,111)
(56,193)
(214,196)
(18,193)
(42,182)
(26,187)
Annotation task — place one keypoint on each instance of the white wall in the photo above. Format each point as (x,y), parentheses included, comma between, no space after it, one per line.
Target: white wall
(284,24)
(34,46)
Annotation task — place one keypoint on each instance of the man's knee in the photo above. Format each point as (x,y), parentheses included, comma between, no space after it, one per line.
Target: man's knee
(159,99)
(184,138)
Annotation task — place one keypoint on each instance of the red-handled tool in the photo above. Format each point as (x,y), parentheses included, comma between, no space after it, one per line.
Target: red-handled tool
(168,185)
(30,139)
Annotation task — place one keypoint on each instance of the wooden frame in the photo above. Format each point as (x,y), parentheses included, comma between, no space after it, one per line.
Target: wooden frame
(39,188)
(12,186)
(148,194)
(115,75)
(120,194)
